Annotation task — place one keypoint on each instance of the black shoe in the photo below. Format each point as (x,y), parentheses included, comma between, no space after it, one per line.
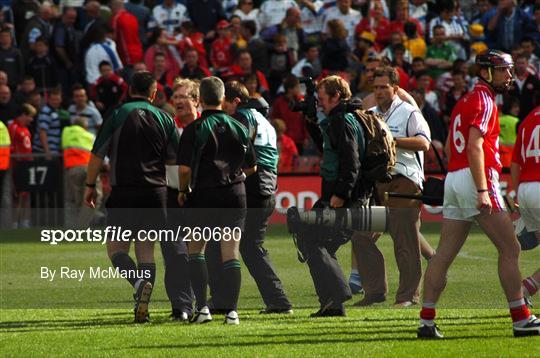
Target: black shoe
(329,312)
(269,310)
(532,328)
(142,299)
(180,316)
(429,332)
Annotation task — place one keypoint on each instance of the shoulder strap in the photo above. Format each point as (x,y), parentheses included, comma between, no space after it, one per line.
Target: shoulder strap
(111,55)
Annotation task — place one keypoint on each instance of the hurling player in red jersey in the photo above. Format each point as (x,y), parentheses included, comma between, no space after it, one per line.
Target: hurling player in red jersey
(472,193)
(525,171)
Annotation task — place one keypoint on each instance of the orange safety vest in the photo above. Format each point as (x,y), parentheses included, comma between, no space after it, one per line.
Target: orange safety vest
(77,143)
(5,143)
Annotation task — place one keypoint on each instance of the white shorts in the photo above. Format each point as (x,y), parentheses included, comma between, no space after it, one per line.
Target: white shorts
(460,195)
(529,205)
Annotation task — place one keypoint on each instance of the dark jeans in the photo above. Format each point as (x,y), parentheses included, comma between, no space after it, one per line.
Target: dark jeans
(256,257)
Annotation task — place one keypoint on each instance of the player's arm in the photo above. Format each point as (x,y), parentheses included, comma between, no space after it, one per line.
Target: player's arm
(447,150)
(92,172)
(475,156)
(515,172)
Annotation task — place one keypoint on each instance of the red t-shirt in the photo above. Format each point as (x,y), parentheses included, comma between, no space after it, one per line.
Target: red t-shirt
(382,31)
(126,29)
(287,151)
(527,147)
(221,53)
(296,128)
(475,109)
(21,142)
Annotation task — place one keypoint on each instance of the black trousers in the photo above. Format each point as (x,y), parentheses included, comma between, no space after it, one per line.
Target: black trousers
(330,283)
(256,257)
(176,259)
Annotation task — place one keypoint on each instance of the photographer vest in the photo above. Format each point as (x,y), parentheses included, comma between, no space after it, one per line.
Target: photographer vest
(408,163)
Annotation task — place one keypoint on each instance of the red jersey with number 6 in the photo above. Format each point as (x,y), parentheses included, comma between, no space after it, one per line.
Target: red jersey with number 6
(527,147)
(476,109)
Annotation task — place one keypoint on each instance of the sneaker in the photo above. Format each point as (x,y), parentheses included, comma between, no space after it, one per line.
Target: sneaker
(179,316)
(269,310)
(531,328)
(202,316)
(429,332)
(355,284)
(232,318)
(142,299)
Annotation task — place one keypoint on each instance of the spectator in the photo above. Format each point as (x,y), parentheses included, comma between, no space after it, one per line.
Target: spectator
(205,15)
(21,144)
(402,60)
(364,49)
(349,17)
(229,6)
(160,42)
(286,147)
(81,108)
(8,107)
(525,87)
(104,49)
(377,24)
(246,11)
(445,81)
(11,59)
(508,121)
(388,52)
(335,50)
(423,82)
(291,28)
(402,17)
(164,77)
(109,89)
(35,100)
(170,15)
(143,14)
(38,27)
(256,99)
(485,9)
(509,25)
(77,143)
(192,70)
(273,12)
(49,126)
(236,33)
(256,46)
(528,47)
(5,143)
(455,27)
(310,65)
(220,54)
(311,16)
(65,49)
(280,63)
(296,128)
(42,67)
(192,38)
(126,35)
(244,66)
(91,30)
(436,125)
(414,44)
(27,86)
(419,10)
(458,90)
(440,54)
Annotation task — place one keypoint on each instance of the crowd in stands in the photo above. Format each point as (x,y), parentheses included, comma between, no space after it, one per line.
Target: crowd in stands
(72,59)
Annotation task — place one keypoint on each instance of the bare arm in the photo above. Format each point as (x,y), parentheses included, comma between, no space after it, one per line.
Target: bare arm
(92,172)
(515,171)
(416,144)
(475,155)
(406,97)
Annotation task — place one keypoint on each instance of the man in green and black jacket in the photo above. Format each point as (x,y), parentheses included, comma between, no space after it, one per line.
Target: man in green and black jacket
(340,138)
(139,140)
(260,190)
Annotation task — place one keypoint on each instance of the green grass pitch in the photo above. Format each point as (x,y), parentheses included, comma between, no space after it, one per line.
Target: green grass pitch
(93,317)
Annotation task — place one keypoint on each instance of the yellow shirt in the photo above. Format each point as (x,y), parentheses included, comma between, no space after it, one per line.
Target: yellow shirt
(417,47)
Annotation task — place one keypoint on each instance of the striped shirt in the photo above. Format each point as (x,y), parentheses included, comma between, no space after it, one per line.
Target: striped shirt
(48,120)
(90,113)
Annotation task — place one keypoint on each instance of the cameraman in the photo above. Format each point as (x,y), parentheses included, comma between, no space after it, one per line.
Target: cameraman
(340,138)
